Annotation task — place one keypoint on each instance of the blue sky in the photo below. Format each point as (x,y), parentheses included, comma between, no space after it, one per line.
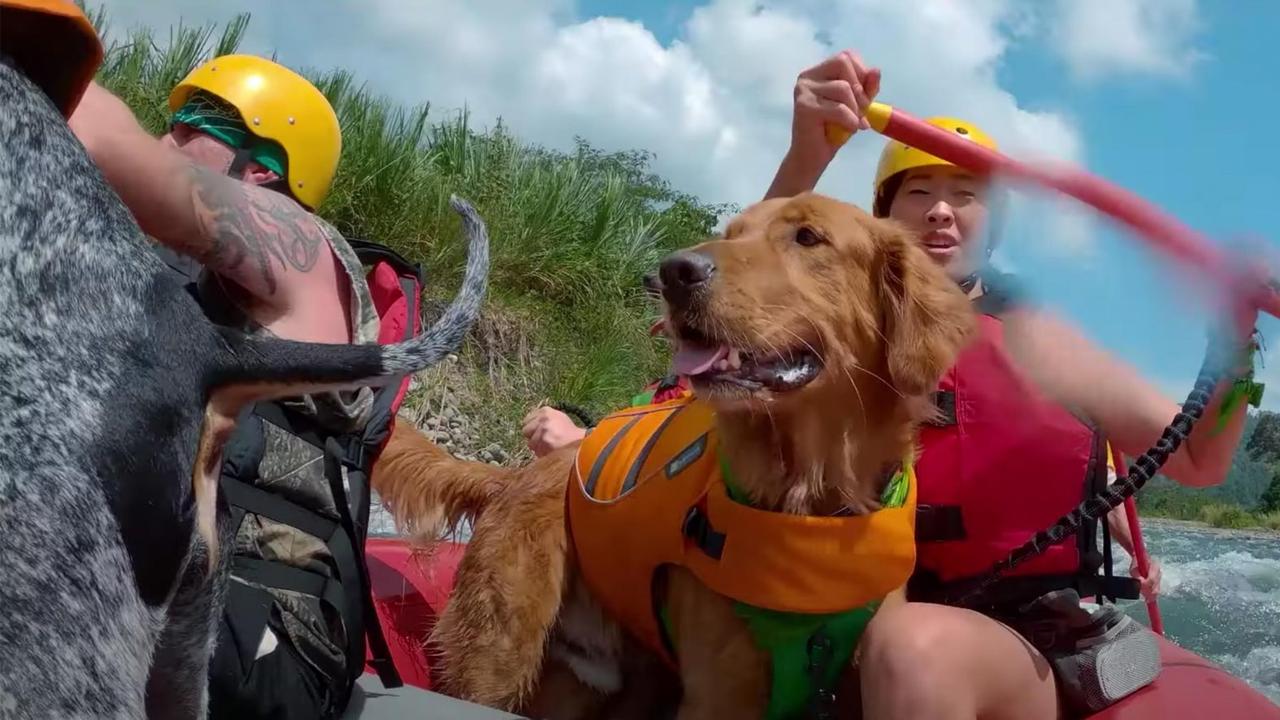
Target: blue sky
(1172,99)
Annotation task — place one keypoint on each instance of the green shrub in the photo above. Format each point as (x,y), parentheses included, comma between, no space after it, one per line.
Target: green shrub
(1226,516)
(1270,521)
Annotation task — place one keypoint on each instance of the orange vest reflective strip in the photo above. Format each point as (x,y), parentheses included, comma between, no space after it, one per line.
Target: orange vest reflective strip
(644,475)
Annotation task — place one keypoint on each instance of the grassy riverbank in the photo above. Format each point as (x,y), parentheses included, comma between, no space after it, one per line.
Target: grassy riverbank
(572,233)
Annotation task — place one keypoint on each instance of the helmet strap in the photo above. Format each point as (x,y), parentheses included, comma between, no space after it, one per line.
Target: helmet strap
(997,204)
(242,159)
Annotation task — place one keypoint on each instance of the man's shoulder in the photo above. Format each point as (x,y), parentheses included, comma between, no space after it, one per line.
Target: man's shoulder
(364,315)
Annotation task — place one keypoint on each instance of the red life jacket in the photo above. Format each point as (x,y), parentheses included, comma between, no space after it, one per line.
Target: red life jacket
(669,387)
(1003,463)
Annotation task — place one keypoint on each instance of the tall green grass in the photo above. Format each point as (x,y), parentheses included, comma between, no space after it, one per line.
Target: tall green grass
(572,232)
(1270,521)
(1220,515)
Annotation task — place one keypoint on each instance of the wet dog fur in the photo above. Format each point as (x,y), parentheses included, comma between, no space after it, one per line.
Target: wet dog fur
(115,398)
(803,275)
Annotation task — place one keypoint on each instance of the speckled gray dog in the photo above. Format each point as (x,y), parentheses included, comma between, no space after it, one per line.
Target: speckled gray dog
(115,393)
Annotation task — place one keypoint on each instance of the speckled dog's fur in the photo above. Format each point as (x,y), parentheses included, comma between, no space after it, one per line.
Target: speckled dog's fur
(115,394)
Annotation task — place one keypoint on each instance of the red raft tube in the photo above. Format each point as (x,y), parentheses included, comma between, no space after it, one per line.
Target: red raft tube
(412,586)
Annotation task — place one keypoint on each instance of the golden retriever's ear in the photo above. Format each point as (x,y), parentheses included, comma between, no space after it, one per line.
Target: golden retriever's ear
(927,318)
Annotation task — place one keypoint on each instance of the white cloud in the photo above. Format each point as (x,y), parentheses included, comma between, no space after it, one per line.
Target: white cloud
(1104,38)
(714,105)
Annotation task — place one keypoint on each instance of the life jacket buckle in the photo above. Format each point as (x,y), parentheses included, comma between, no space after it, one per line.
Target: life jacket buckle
(823,700)
(697,527)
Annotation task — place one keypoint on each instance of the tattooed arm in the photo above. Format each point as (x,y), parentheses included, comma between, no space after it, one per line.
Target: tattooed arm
(259,239)
(254,236)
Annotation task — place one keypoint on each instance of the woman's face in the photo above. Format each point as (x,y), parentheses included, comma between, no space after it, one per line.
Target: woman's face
(947,207)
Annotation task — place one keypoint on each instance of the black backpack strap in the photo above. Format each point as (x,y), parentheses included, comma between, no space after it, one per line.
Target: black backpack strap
(349,593)
(939,523)
(280,576)
(1009,593)
(273,507)
(1105,584)
(291,422)
(357,477)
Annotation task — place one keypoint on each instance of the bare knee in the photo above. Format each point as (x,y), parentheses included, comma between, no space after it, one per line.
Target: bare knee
(911,663)
(923,660)
(910,649)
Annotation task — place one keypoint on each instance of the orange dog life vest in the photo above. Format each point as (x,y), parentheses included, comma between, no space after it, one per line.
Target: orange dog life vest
(648,491)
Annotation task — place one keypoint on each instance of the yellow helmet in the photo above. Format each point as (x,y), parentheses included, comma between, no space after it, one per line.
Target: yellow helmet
(54,44)
(280,105)
(898,157)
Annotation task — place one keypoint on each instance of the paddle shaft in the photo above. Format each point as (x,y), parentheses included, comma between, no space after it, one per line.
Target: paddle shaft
(1140,557)
(1201,257)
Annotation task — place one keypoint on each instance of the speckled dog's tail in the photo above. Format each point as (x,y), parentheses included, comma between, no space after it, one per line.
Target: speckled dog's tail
(263,368)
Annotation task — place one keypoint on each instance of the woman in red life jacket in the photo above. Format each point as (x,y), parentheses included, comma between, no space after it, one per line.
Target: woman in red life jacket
(1006,459)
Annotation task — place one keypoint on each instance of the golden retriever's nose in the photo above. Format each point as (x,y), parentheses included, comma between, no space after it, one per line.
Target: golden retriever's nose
(684,273)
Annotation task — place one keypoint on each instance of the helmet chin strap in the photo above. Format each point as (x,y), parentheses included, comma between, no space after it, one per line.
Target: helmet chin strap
(241,161)
(995,220)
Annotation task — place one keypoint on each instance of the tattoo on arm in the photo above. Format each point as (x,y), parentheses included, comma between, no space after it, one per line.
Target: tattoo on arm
(251,233)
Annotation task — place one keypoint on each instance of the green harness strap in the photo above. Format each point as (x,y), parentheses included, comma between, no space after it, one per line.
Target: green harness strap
(807,652)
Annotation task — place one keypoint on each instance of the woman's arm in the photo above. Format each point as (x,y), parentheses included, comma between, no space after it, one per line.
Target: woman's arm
(1130,412)
(1119,526)
(836,91)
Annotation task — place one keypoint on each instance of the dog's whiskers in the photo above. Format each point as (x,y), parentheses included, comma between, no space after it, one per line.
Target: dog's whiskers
(861,368)
(862,405)
(804,342)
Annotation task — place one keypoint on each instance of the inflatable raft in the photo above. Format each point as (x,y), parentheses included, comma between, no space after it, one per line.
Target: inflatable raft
(412,586)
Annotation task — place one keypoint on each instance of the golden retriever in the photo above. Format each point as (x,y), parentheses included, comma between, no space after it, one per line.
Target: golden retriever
(817,334)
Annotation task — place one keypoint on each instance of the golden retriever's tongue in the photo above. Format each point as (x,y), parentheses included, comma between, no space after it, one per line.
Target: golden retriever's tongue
(695,358)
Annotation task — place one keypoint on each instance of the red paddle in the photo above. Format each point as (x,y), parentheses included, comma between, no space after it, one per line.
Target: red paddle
(1139,548)
(1160,229)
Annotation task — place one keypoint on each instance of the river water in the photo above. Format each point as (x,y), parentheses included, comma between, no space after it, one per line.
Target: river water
(1220,596)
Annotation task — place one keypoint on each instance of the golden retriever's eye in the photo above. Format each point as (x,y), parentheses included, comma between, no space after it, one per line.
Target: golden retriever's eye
(808,237)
